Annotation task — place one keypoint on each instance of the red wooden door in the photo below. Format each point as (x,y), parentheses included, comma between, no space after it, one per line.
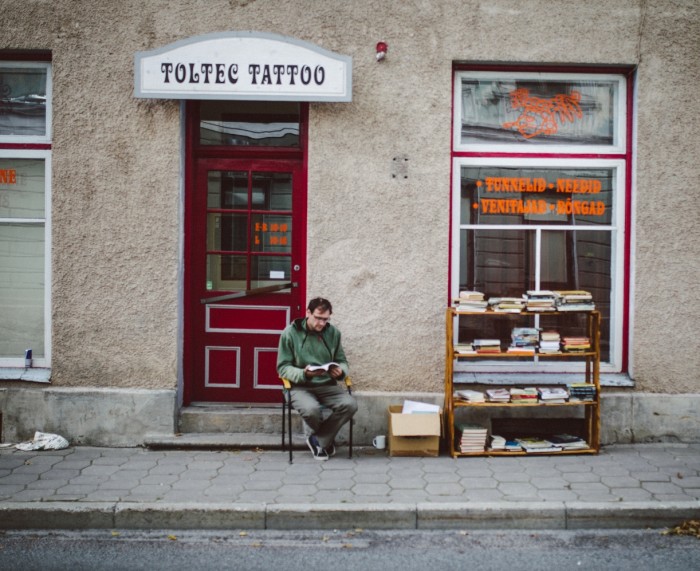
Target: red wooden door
(244,275)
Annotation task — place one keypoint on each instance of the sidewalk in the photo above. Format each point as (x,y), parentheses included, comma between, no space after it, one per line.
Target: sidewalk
(633,486)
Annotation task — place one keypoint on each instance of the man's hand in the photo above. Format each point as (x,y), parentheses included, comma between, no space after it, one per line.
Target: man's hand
(335,372)
(310,374)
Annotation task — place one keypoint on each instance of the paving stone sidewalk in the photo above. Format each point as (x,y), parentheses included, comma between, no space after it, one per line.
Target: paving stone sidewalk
(639,484)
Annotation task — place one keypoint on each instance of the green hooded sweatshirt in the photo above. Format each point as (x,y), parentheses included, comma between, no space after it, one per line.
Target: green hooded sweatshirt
(300,347)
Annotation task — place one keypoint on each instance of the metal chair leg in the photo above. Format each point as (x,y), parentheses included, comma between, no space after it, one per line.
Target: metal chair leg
(289,425)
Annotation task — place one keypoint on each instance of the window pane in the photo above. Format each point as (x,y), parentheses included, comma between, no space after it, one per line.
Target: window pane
(227,232)
(537,196)
(269,270)
(249,123)
(22,289)
(226,273)
(22,101)
(495,262)
(538,111)
(271,233)
(22,188)
(227,189)
(272,191)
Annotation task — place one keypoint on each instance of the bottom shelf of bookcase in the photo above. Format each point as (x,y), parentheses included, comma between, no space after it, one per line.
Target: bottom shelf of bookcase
(457,454)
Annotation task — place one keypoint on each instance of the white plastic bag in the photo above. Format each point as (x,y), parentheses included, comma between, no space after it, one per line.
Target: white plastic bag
(44,441)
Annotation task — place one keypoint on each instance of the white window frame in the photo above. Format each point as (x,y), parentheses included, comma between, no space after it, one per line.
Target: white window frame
(28,139)
(619,128)
(43,362)
(617,277)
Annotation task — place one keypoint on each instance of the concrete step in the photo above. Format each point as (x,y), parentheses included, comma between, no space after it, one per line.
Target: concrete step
(212,418)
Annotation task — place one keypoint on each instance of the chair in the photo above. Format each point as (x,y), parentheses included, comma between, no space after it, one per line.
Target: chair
(287,416)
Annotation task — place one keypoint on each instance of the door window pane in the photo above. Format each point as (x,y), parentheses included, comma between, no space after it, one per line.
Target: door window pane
(227,232)
(272,191)
(272,233)
(249,123)
(269,270)
(23,97)
(227,189)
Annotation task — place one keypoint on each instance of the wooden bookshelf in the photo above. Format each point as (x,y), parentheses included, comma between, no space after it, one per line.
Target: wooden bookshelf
(590,375)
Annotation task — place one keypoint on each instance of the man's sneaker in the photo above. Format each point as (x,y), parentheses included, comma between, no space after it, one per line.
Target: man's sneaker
(331,450)
(318,452)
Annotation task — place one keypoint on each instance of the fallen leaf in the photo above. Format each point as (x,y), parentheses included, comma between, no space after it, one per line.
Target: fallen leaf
(172,537)
(243,533)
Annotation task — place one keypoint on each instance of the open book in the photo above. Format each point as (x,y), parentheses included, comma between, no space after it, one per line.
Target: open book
(323,367)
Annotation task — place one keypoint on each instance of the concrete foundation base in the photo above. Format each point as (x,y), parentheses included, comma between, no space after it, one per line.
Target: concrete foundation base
(126,417)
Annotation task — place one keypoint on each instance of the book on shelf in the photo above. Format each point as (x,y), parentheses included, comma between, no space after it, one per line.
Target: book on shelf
(471,437)
(541,300)
(464,349)
(574,300)
(470,395)
(573,344)
(487,345)
(550,342)
(507,304)
(553,395)
(527,395)
(524,336)
(513,446)
(534,445)
(521,351)
(497,442)
(471,295)
(498,395)
(471,307)
(582,392)
(568,441)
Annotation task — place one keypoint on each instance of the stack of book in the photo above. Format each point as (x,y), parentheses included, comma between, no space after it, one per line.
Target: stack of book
(550,342)
(568,442)
(498,395)
(541,300)
(575,344)
(497,442)
(582,392)
(523,340)
(553,395)
(523,396)
(470,301)
(507,304)
(513,446)
(574,300)
(472,437)
(486,346)
(535,445)
(464,349)
(470,396)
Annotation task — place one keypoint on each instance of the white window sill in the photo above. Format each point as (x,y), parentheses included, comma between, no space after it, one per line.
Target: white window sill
(606,379)
(32,374)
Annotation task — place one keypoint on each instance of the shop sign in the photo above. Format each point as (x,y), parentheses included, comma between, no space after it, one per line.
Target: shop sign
(244,66)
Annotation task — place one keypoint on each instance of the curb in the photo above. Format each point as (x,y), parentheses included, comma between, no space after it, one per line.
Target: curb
(395,516)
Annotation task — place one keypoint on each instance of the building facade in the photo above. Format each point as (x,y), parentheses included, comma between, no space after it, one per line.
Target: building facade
(177,179)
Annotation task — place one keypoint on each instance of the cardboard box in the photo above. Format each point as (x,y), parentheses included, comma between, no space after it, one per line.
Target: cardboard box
(414,434)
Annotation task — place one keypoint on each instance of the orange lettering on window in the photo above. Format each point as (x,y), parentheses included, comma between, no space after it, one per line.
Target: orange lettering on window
(8,176)
(539,116)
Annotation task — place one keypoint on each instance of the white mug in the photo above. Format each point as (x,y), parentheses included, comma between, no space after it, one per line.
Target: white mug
(379,442)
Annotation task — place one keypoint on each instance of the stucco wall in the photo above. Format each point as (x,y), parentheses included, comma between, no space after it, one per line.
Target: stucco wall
(377,246)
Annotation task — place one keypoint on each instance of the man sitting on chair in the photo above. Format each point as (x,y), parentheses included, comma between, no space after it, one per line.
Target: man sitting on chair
(306,344)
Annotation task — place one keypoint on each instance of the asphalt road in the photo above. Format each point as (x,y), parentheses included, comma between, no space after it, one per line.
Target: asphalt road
(355,549)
